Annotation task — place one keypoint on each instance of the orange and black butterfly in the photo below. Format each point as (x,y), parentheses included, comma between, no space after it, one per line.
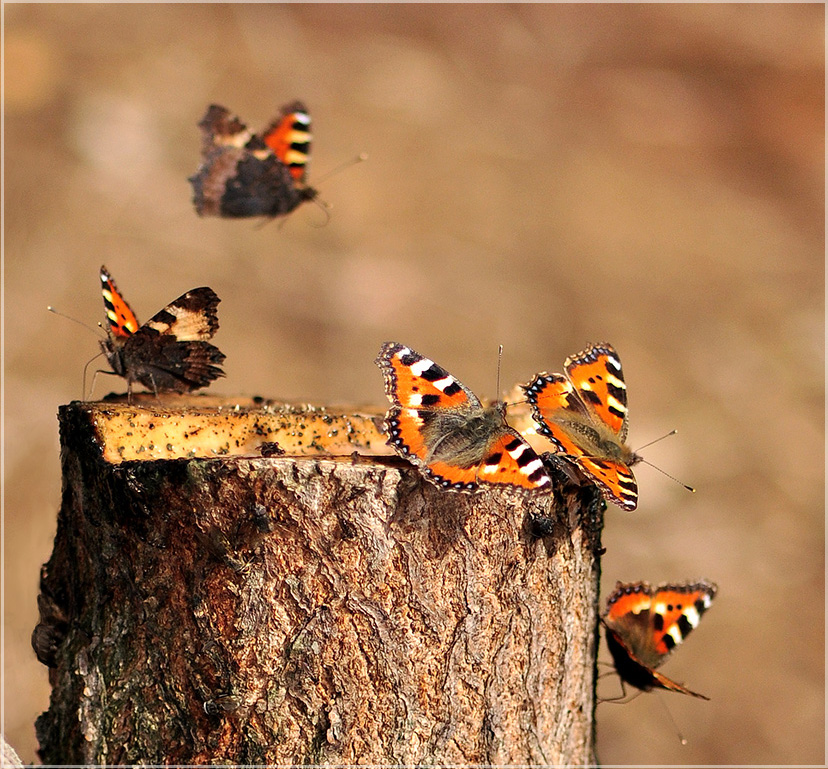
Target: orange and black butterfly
(584,413)
(439,425)
(170,352)
(644,624)
(243,174)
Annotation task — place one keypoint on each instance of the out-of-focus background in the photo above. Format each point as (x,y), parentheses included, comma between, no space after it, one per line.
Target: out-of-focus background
(540,176)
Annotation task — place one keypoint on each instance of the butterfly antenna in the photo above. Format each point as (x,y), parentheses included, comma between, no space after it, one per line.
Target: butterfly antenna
(75,320)
(341,167)
(666,435)
(681,737)
(644,461)
(671,477)
(499,359)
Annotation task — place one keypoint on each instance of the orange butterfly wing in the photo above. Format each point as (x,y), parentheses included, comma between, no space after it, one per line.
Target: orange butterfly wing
(290,137)
(596,374)
(119,315)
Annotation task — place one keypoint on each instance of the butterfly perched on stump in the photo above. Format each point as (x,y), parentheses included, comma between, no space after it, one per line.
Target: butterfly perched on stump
(584,413)
(439,425)
(170,352)
(644,624)
(243,174)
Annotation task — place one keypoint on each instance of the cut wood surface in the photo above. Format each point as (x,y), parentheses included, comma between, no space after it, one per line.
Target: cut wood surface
(210,426)
(303,608)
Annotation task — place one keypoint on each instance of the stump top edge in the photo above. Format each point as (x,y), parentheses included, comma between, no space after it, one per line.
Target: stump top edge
(173,426)
(186,427)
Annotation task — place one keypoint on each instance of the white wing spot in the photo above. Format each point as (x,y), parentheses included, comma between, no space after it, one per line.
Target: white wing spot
(294,156)
(420,366)
(616,382)
(616,404)
(692,616)
(442,384)
(533,466)
(414,415)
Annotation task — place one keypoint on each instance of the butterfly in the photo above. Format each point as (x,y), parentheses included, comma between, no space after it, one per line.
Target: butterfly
(440,426)
(584,413)
(243,174)
(170,352)
(644,624)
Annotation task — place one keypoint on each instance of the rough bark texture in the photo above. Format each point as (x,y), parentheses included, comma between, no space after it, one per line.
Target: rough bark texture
(308,610)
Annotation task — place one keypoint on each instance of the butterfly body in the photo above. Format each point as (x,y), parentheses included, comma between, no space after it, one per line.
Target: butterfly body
(243,174)
(644,624)
(170,352)
(584,413)
(438,424)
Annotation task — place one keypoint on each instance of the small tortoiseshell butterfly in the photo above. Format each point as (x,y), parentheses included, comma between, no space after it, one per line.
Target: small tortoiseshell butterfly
(584,413)
(244,174)
(439,424)
(645,624)
(169,353)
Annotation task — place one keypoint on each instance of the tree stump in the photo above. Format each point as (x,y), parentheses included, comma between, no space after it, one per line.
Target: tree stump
(218,605)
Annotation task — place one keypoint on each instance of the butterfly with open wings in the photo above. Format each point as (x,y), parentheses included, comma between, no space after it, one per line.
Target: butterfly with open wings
(437,423)
(644,624)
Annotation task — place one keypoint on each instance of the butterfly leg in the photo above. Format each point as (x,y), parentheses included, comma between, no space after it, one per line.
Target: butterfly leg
(154,388)
(94,378)
(621,699)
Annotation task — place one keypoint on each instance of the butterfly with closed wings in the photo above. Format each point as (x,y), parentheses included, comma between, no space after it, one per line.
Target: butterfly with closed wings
(168,353)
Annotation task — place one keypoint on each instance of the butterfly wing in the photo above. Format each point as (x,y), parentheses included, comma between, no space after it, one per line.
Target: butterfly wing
(615,479)
(677,610)
(221,128)
(289,137)
(119,315)
(557,411)
(596,375)
(662,682)
(441,426)
(191,317)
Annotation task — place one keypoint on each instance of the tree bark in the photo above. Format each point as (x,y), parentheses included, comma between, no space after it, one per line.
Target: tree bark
(312,609)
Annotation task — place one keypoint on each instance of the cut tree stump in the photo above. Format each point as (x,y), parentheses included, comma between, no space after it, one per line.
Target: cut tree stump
(211,604)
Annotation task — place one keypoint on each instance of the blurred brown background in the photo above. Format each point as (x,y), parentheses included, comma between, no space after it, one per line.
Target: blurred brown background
(540,176)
